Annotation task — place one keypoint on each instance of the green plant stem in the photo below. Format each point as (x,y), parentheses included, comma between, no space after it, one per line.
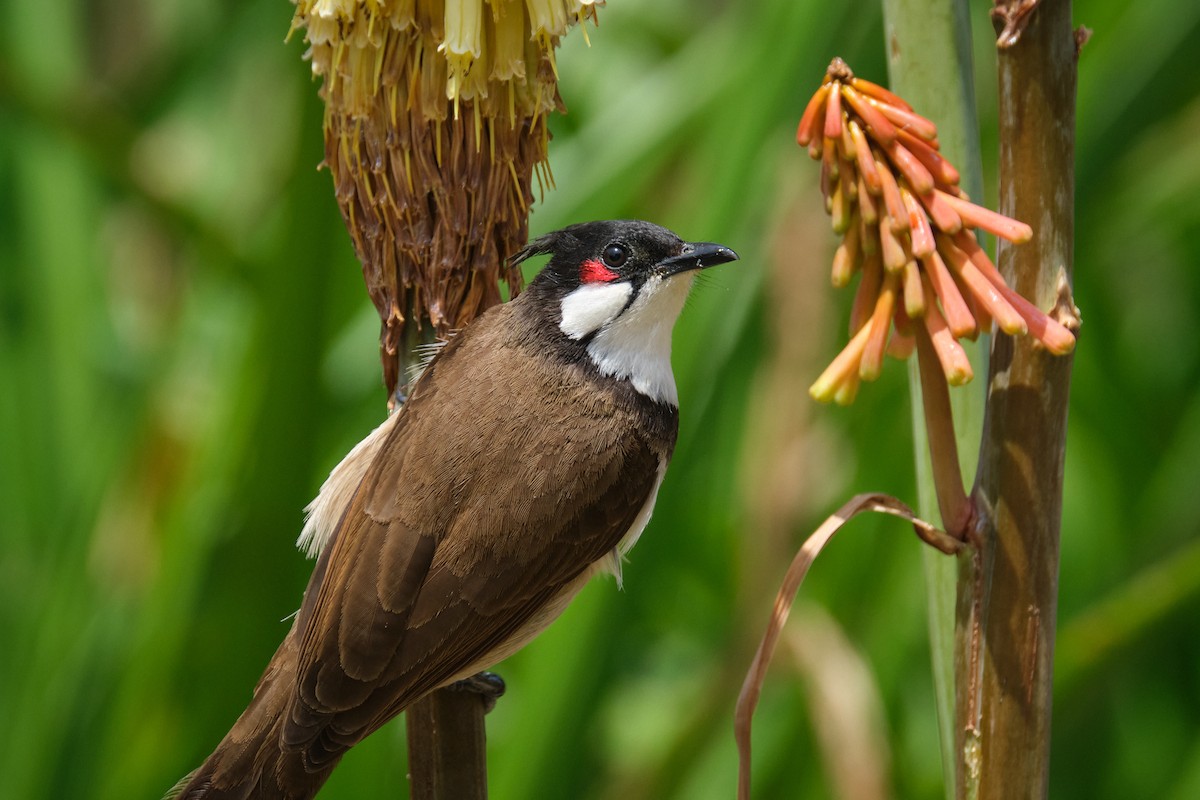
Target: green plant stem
(1018,494)
(929,63)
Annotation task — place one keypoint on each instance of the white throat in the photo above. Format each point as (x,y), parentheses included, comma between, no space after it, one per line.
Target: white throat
(634,343)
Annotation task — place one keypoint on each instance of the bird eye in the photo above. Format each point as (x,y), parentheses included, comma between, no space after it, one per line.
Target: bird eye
(615,255)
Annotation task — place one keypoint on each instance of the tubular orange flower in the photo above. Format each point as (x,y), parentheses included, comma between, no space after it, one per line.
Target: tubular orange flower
(981,289)
(804,131)
(980,217)
(941,169)
(918,223)
(873,89)
(911,168)
(872,357)
(943,215)
(958,314)
(906,227)
(866,161)
(892,198)
(905,121)
(866,196)
(882,129)
(1049,331)
(895,256)
(950,353)
(846,260)
(914,294)
(868,290)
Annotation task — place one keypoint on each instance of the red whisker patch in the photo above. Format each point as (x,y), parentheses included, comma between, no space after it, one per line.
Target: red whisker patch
(594,271)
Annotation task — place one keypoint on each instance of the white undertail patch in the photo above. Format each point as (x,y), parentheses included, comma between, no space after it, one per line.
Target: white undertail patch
(612,562)
(323,513)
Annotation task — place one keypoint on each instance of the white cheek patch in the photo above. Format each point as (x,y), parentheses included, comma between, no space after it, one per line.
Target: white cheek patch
(592,306)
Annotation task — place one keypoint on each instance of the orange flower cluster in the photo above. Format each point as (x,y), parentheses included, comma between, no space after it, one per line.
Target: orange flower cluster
(907,228)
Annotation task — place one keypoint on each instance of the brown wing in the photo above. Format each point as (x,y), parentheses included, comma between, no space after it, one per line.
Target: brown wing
(447,549)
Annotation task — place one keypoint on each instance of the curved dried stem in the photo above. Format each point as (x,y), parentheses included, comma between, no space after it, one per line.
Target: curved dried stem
(812,547)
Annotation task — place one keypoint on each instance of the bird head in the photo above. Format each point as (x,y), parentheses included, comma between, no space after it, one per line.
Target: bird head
(616,288)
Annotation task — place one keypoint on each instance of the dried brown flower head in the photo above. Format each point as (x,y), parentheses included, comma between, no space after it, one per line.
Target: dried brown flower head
(906,228)
(435,123)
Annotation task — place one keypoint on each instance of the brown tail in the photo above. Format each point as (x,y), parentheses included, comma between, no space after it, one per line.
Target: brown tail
(250,763)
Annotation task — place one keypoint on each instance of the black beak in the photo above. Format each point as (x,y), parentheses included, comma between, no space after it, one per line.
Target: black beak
(696,255)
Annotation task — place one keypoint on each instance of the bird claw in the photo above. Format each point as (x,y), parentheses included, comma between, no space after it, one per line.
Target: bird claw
(488,685)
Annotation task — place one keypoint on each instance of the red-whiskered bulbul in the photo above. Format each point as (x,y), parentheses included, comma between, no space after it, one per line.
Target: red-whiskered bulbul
(525,461)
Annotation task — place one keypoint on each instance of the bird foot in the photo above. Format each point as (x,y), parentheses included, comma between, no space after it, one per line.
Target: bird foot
(487,685)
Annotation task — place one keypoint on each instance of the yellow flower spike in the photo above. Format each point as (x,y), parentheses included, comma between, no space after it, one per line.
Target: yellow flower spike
(508,43)
(462,46)
(463,29)
(847,144)
(422,99)
(830,161)
(547,17)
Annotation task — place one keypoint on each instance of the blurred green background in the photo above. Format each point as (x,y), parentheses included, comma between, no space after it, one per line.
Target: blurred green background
(186,349)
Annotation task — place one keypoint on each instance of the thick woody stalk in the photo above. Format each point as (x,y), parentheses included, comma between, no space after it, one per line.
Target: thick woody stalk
(1018,494)
(929,64)
(446,746)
